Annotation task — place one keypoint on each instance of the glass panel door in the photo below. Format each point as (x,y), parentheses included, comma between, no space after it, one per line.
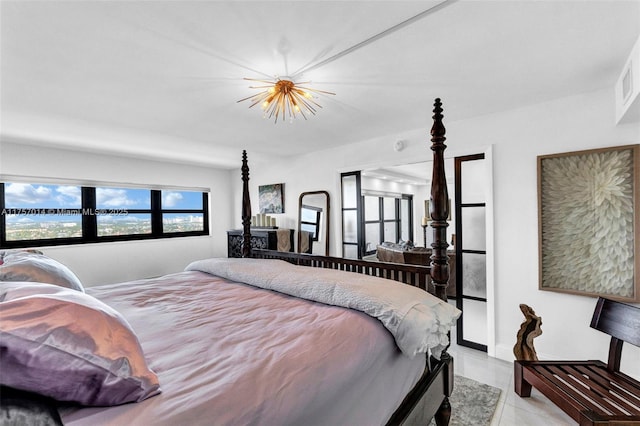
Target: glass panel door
(470,247)
(351,216)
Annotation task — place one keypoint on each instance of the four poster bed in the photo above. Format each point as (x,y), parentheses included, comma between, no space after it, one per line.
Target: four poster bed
(262,339)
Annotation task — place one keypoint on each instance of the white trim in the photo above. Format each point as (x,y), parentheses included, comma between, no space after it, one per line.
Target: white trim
(95,183)
(490,260)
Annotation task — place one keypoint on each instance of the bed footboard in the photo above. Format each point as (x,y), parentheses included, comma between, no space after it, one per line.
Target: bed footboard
(415,275)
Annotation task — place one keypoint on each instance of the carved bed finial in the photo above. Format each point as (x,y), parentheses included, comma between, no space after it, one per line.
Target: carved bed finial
(246,208)
(439,206)
(529,330)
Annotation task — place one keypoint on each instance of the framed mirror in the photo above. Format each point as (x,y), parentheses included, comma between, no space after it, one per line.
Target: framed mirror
(313,222)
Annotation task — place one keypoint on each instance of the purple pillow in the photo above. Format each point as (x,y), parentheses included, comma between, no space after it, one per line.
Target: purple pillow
(69,346)
(33,266)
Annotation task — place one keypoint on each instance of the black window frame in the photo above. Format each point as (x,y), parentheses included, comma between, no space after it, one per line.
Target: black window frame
(382,219)
(89,214)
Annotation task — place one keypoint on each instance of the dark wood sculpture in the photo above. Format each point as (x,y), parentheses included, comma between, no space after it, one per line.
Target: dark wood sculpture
(529,330)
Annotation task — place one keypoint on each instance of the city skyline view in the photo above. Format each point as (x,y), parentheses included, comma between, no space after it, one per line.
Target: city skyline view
(40,211)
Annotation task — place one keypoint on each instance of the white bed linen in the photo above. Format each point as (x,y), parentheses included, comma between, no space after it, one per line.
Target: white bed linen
(231,354)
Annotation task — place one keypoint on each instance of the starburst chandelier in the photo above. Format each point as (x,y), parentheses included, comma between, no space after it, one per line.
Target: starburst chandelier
(283,98)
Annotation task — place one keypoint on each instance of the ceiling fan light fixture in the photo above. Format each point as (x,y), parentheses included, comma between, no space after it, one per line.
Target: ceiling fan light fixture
(283,98)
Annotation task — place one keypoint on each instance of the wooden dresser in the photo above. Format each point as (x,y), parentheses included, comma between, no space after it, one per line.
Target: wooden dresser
(261,238)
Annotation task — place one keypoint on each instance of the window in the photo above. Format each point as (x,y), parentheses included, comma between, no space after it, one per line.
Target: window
(310,220)
(33,212)
(123,211)
(182,211)
(49,214)
(381,219)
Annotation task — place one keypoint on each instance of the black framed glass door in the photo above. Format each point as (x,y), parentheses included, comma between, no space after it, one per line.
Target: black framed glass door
(471,254)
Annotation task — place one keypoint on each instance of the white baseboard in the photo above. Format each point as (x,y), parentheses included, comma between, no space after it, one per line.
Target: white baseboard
(505,353)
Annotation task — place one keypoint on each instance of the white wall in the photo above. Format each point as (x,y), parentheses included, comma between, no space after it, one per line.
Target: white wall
(517,137)
(576,123)
(122,261)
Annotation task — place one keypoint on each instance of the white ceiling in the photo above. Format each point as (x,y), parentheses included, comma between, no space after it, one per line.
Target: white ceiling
(160,79)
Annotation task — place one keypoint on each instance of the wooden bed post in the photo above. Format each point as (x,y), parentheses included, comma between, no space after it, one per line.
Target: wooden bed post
(246,208)
(439,206)
(439,211)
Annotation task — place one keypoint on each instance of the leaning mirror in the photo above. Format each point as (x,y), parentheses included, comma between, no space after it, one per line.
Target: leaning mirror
(313,223)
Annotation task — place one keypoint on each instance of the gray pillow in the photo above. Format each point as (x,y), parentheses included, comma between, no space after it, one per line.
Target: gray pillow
(69,346)
(33,266)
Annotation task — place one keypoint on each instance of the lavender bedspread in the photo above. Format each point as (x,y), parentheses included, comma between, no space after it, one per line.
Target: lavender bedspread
(232,354)
(418,321)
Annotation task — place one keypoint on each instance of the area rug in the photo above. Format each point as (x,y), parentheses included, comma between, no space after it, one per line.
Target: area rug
(472,403)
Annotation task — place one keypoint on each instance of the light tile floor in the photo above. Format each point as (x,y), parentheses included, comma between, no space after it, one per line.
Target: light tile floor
(511,410)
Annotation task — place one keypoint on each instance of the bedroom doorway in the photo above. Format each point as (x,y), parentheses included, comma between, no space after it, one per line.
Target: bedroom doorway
(470,182)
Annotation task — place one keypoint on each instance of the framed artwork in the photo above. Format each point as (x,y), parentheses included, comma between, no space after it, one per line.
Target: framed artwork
(271,198)
(588,217)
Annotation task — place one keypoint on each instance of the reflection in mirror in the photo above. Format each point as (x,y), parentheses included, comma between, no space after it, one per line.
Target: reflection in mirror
(313,223)
(310,220)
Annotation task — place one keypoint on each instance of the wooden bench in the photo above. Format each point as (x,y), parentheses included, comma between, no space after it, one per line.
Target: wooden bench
(591,392)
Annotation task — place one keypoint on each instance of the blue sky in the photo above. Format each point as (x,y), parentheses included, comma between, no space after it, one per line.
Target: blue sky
(181,200)
(21,195)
